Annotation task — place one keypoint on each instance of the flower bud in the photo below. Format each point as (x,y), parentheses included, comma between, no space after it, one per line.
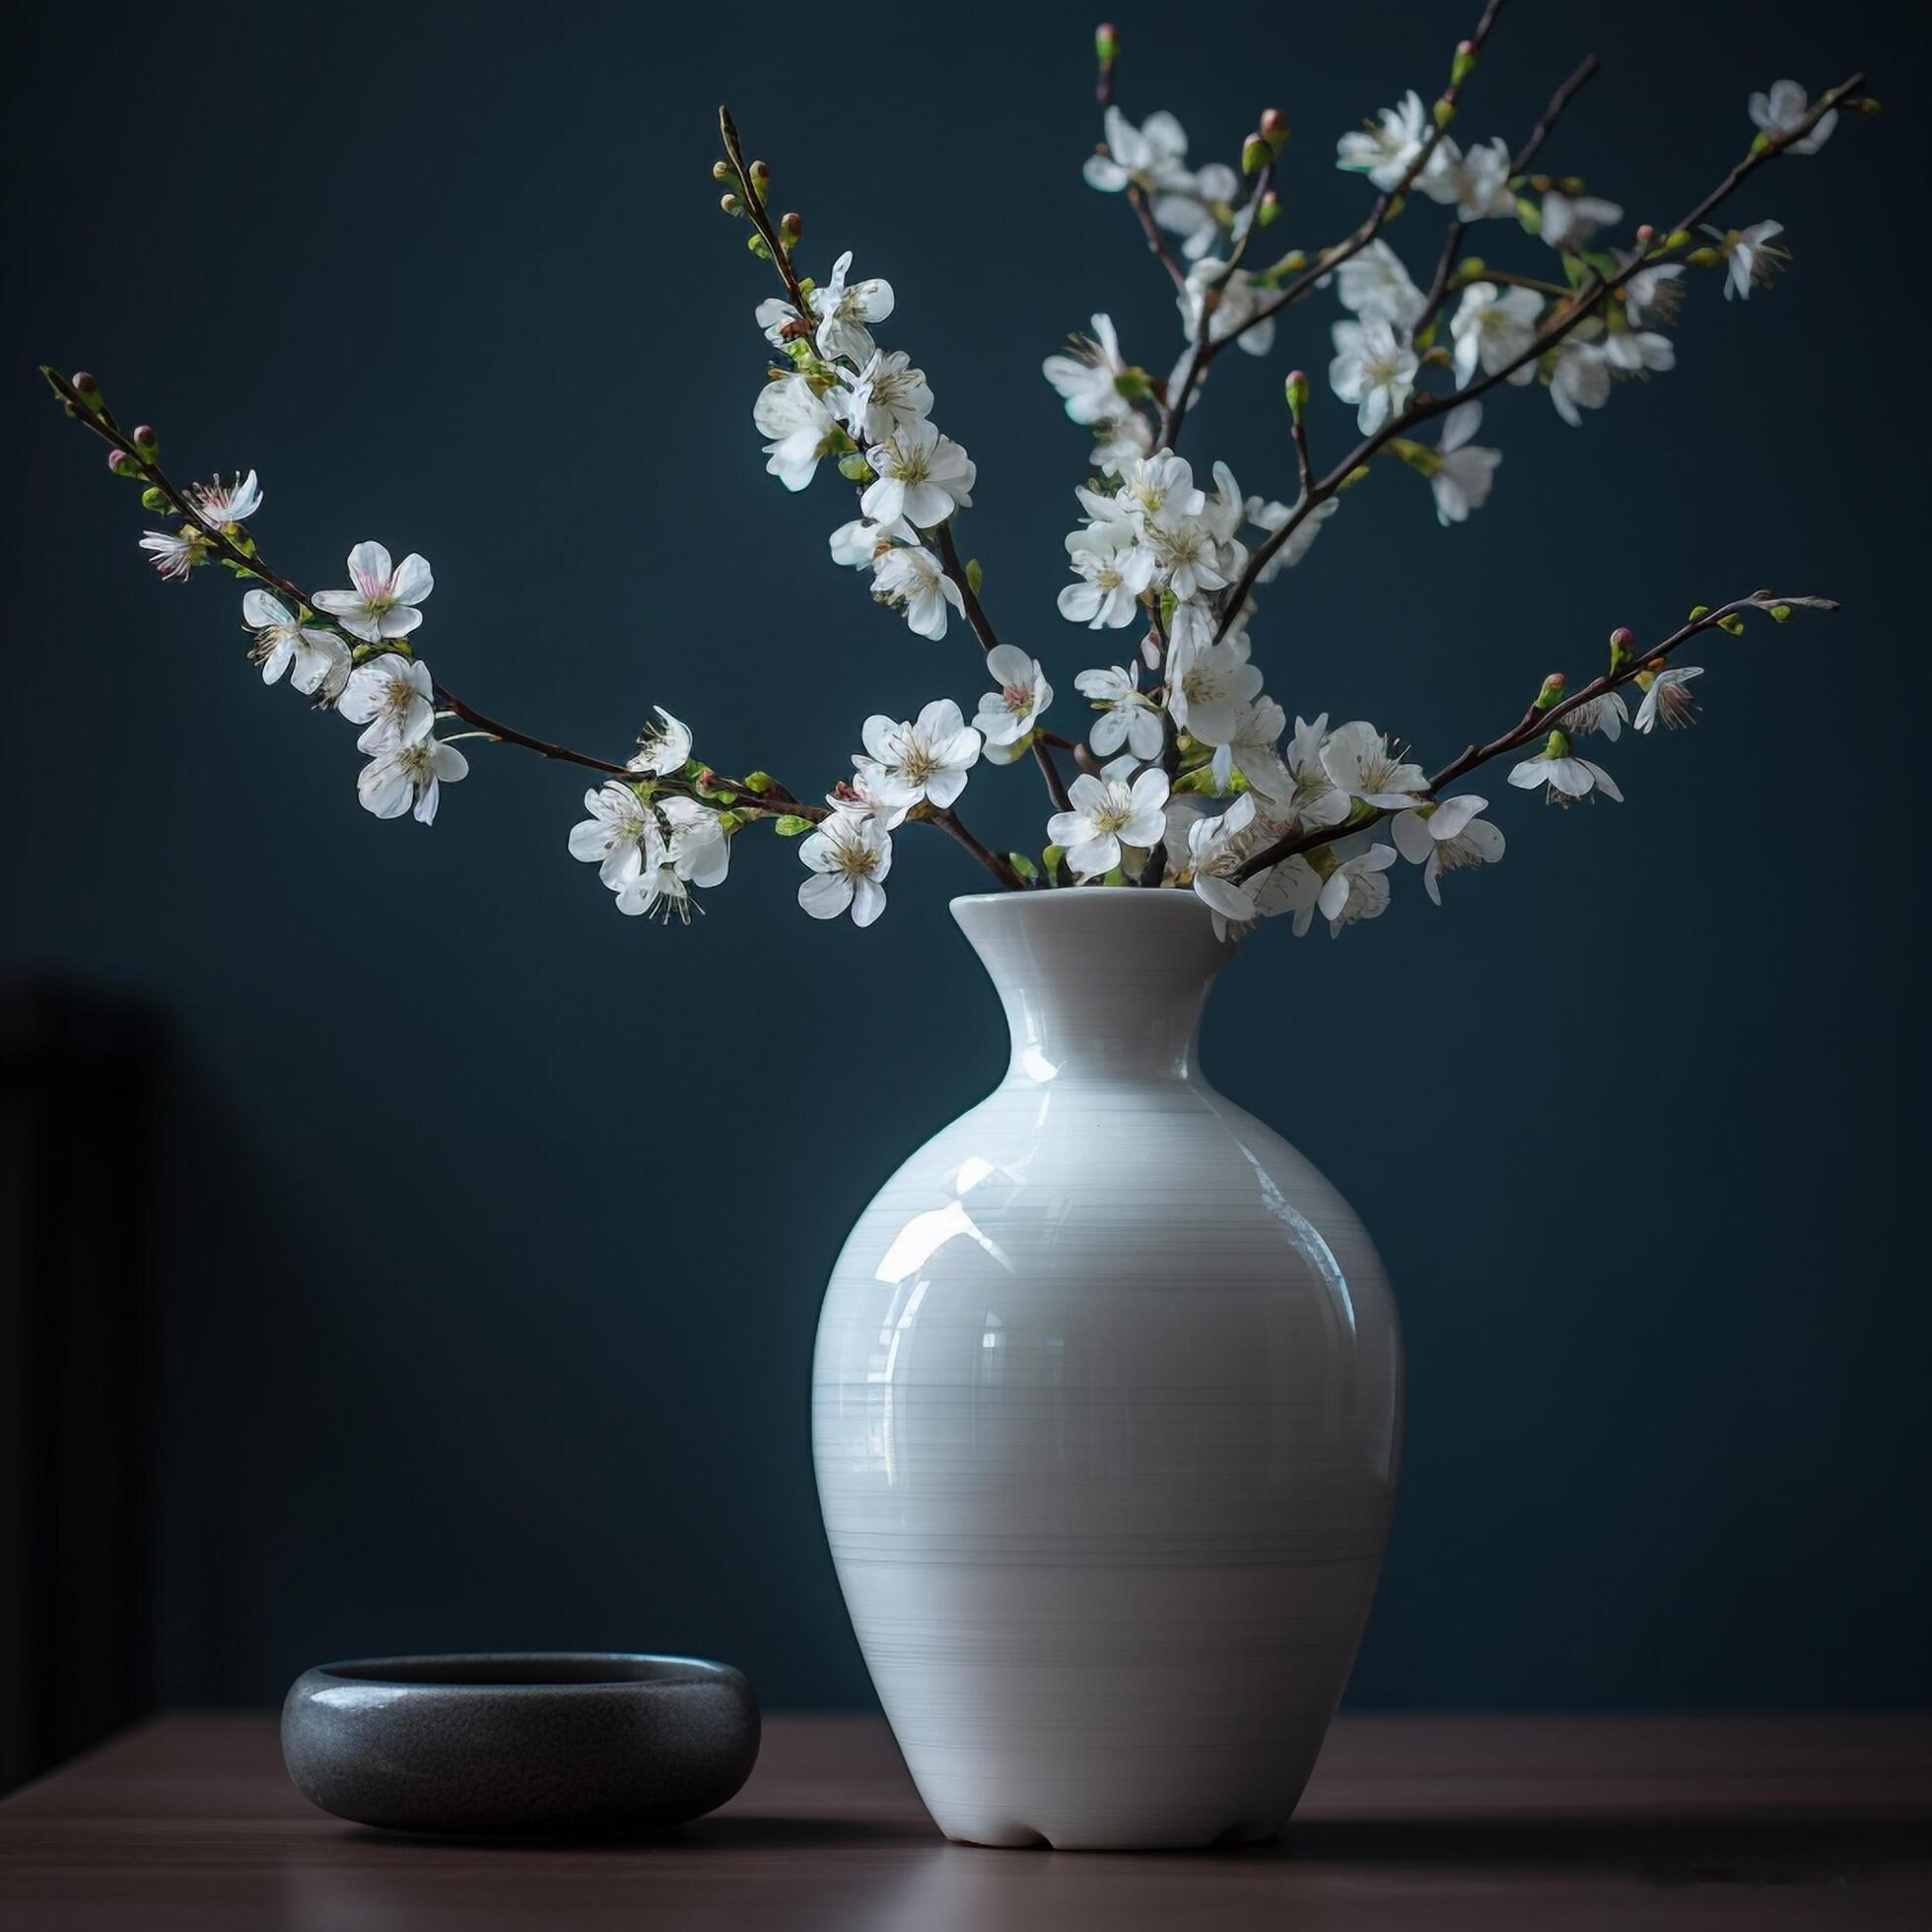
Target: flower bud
(1646,234)
(1270,206)
(1698,611)
(720,171)
(1870,108)
(1445,111)
(1273,127)
(1704,258)
(1623,644)
(1552,691)
(1463,61)
(758,246)
(1255,154)
(87,388)
(790,228)
(761,176)
(731,204)
(1105,43)
(1297,393)
(121,464)
(153,499)
(146,441)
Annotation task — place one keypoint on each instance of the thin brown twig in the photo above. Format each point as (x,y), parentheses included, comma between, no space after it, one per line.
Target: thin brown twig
(1536,723)
(1596,288)
(1519,162)
(1330,258)
(1156,242)
(982,628)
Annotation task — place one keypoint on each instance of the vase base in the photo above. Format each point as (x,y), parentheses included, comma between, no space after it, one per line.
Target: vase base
(1025,1837)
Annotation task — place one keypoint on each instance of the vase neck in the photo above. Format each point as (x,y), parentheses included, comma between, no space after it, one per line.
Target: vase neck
(1097,983)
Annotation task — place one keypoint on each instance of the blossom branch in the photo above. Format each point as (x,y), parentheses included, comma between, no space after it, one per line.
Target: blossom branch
(1536,723)
(1156,242)
(1519,163)
(1380,213)
(1593,291)
(982,628)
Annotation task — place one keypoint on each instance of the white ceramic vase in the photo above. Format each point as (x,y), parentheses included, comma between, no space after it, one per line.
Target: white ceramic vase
(1107,1414)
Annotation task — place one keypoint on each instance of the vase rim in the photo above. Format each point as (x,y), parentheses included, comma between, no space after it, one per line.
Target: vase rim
(1056,894)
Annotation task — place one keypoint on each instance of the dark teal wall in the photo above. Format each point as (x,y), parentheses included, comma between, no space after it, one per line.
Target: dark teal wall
(483,1326)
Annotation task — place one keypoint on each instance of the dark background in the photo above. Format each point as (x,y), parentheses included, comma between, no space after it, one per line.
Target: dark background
(490,1227)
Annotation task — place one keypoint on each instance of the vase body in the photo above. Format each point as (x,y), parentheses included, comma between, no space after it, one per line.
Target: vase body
(1106,1414)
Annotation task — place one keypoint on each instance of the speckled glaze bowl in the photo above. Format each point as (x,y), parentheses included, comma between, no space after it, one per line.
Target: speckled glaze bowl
(546,1744)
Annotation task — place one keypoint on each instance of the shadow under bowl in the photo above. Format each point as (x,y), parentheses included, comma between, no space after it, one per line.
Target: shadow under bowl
(543,1745)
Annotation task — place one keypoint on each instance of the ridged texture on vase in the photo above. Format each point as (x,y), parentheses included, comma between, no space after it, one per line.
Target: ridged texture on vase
(1107,1414)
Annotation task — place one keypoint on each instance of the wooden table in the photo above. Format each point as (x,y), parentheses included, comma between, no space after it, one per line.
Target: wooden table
(1470,1823)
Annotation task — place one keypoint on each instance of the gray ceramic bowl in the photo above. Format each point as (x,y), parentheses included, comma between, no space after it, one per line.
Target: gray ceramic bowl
(544,1743)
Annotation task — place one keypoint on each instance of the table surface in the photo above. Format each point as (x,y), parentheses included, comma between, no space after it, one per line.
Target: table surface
(1760,1823)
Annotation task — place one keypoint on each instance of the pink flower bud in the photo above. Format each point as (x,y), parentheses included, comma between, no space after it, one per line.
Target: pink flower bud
(1623,638)
(120,462)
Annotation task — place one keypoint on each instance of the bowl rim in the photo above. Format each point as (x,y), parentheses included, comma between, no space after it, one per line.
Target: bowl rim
(660,1671)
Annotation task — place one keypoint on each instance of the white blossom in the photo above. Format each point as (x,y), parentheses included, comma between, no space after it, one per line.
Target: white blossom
(620,837)
(1214,852)
(1665,701)
(1564,776)
(1151,154)
(1604,712)
(1159,489)
(1446,838)
(889,395)
(922,476)
(696,851)
(1107,812)
(926,759)
(1374,367)
(1784,108)
(843,312)
(175,553)
(858,543)
(407,775)
(316,662)
(1127,715)
(910,577)
(775,315)
(395,697)
(848,857)
(1239,299)
(384,602)
(664,747)
(1356,889)
(1387,148)
(1006,716)
(1210,687)
(1464,470)
(1086,379)
(1476,182)
(220,503)
(1654,293)
(1580,380)
(1193,206)
(1569,221)
(1358,761)
(801,429)
(1374,282)
(1251,749)
(1750,257)
(1636,351)
(1314,800)
(1114,567)
(1493,327)
(1291,887)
